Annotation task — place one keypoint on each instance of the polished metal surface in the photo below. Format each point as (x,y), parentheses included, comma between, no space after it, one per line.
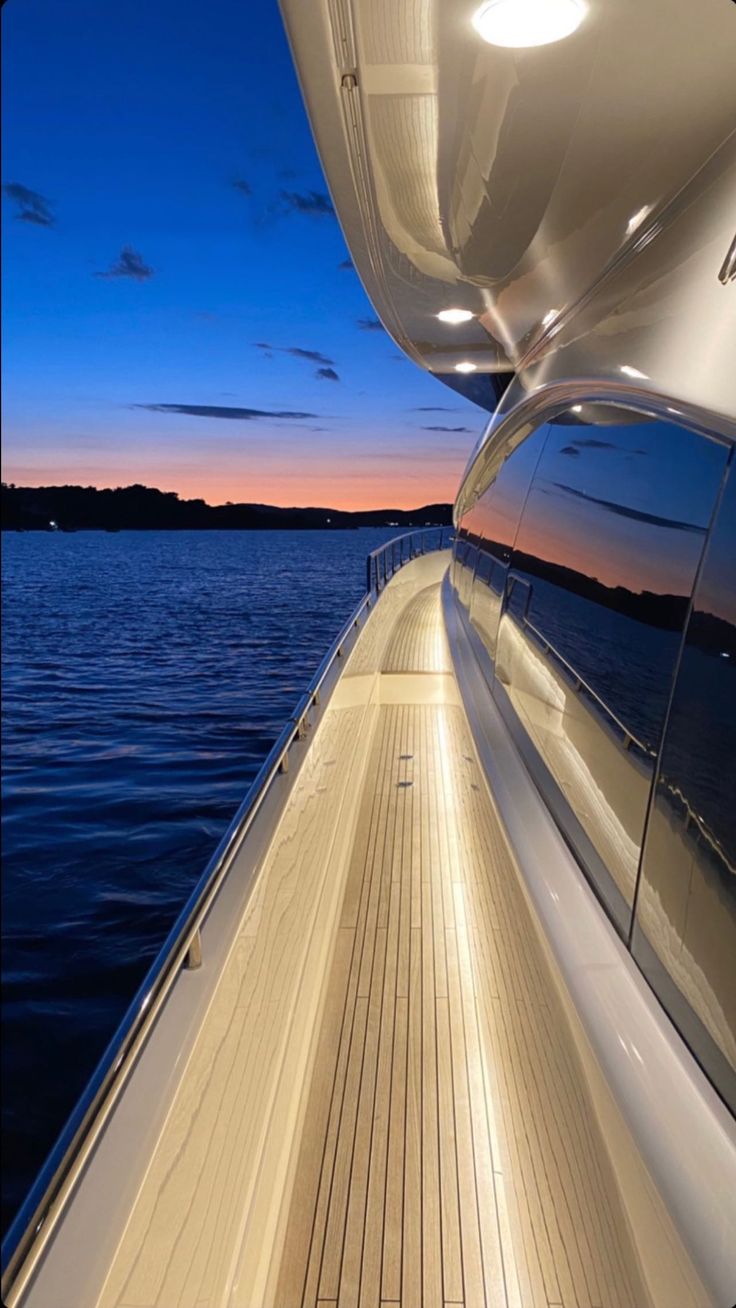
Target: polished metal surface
(513,182)
(684,935)
(675,1121)
(574,570)
(33,1226)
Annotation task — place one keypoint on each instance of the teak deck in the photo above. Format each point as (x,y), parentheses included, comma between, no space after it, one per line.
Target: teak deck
(448,1156)
(384,1105)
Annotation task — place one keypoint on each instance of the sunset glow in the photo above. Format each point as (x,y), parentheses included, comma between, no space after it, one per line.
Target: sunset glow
(180,306)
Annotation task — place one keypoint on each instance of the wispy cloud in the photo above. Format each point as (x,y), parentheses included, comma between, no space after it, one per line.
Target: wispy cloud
(327,374)
(223,411)
(590,443)
(241,185)
(296,351)
(346,265)
(450,429)
(434,408)
(625,511)
(130,264)
(314,203)
(30,206)
(370,324)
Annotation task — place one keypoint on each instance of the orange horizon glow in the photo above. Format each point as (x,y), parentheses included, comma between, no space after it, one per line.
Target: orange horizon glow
(345,490)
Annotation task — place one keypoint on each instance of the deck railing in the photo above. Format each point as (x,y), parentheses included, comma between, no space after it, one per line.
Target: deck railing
(38,1216)
(382,563)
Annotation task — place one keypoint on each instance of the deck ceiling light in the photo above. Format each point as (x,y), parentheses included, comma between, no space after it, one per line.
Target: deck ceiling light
(520,23)
(466,366)
(636,219)
(455,315)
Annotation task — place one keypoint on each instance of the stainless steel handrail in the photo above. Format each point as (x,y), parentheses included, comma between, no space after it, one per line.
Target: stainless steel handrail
(410,545)
(581,683)
(38,1216)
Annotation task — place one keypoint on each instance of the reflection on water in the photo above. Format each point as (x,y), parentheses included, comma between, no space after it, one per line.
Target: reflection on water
(146,675)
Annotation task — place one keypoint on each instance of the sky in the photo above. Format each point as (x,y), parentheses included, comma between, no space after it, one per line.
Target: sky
(179,307)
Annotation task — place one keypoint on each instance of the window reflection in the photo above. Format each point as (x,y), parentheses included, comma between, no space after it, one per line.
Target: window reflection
(493,524)
(685,931)
(607,550)
(576,569)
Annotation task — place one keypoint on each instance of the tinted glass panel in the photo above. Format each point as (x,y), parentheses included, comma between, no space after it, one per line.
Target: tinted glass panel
(685,931)
(605,560)
(493,524)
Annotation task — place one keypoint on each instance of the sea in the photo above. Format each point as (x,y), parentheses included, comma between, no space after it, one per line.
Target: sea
(145,677)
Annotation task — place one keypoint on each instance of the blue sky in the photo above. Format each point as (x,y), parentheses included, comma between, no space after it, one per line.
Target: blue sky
(177,134)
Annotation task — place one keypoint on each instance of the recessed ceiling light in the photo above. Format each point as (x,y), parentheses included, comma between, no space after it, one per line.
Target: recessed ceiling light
(465,367)
(636,219)
(455,315)
(633,372)
(519,23)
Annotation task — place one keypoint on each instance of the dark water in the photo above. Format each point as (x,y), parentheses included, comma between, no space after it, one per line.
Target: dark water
(146,675)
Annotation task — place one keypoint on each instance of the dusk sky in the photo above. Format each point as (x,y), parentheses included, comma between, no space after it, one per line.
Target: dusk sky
(165,213)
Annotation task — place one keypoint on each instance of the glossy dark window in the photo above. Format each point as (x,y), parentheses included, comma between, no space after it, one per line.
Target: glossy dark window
(493,524)
(685,930)
(600,580)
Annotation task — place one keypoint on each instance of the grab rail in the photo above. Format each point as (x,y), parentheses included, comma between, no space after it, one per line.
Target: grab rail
(581,683)
(383,562)
(38,1216)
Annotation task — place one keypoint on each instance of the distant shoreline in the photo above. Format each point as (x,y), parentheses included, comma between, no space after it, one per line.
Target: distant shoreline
(144,508)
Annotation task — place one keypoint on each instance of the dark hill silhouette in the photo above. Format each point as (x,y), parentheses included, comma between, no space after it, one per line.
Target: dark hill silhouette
(137,508)
(713,634)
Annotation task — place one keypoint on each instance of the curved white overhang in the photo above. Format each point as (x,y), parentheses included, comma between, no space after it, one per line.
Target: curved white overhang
(505,181)
(657,334)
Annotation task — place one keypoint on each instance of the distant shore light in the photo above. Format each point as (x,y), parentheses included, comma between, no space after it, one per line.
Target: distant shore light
(455,315)
(466,366)
(521,23)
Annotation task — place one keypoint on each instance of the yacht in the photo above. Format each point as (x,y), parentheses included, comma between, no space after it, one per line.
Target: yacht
(450,1018)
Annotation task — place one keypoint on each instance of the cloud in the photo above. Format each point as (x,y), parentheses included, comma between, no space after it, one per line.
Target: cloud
(450,429)
(296,351)
(328,374)
(222,411)
(241,185)
(30,206)
(314,203)
(130,264)
(638,515)
(370,325)
(346,265)
(434,408)
(591,444)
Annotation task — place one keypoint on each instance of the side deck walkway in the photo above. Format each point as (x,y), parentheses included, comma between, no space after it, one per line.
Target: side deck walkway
(382,1104)
(448,1154)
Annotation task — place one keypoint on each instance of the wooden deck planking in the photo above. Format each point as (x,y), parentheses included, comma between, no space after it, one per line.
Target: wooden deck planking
(477,1174)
